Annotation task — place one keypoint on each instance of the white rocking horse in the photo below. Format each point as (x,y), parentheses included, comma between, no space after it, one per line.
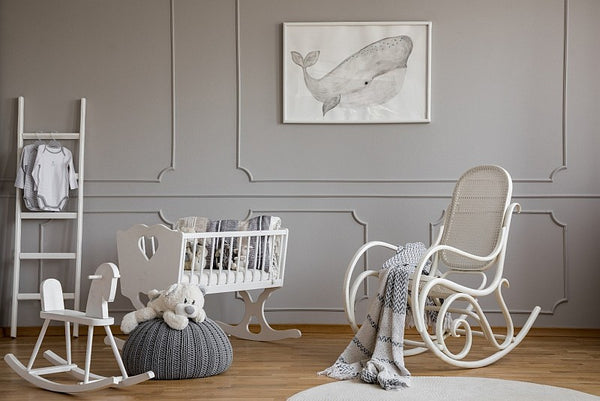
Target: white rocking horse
(102,291)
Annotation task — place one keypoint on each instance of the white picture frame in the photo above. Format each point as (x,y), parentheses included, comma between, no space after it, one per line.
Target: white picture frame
(356,72)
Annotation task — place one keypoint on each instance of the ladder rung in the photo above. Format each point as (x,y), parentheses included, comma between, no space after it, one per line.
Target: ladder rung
(25,296)
(51,135)
(49,215)
(48,255)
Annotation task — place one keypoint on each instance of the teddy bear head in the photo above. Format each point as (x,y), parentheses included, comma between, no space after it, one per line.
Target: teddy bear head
(185,299)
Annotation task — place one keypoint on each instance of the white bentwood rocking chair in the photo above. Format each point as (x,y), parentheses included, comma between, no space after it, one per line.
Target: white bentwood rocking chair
(102,291)
(471,242)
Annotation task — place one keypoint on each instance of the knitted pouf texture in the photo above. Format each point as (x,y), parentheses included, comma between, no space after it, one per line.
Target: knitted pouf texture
(199,350)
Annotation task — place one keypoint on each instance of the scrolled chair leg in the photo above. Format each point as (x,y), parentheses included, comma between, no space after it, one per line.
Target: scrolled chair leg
(461,327)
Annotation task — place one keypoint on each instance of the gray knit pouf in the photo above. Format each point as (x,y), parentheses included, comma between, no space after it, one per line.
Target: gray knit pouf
(199,350)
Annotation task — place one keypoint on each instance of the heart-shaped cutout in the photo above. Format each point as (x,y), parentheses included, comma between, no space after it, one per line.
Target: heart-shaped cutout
(148,246)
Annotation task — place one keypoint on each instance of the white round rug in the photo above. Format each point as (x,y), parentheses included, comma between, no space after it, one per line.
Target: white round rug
(442,389)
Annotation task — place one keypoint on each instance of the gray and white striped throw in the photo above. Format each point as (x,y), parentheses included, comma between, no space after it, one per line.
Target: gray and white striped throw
(376,353)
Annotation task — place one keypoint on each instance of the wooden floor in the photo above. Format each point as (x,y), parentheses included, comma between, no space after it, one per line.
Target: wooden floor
(276,370)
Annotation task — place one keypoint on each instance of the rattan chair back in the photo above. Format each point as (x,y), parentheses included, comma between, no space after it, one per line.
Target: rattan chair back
(474,218)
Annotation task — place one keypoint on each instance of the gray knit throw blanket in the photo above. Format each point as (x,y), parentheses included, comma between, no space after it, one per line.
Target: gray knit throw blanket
(376,353)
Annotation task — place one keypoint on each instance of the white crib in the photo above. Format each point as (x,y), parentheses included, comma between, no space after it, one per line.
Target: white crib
(154,257)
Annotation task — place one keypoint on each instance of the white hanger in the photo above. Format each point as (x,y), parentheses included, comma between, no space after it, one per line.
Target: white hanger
(54,143)
(38,141)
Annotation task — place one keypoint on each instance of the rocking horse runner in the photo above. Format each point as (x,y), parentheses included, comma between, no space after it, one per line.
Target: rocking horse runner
(102,291)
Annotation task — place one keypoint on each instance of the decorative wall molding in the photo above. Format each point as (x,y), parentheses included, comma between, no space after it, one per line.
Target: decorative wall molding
(354,216)
(364,224)
(171,166)
(158,212)
(252,178)
(311,196)
(239,130)
(238,85)
(564,94)
(330,196)
(565,260)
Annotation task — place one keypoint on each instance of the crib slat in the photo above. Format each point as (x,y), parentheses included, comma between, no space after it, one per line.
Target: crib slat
(220,262)
(245,254)
(194,248)
(229,258)
(203,259)
(212,261)
(271,255)
(247,262)
(264,251)
(254,265)
(283,257)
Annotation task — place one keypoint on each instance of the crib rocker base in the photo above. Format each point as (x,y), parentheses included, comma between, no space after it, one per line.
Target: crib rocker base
(257,309)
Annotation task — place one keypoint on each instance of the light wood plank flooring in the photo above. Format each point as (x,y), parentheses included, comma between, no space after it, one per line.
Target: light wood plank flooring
(276,370)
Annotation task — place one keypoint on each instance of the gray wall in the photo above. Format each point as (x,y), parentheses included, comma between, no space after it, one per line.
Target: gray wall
(184,118)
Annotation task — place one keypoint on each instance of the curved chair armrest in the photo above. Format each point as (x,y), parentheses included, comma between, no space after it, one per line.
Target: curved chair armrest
(359,253)
(350,294)
(350,297)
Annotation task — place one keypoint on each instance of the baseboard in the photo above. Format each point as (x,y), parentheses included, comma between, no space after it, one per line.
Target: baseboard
(316,329)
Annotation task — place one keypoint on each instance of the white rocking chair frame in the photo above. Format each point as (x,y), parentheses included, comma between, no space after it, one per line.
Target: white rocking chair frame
(447,294)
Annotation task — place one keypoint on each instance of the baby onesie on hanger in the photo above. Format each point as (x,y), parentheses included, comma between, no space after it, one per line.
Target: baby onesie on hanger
(25,179)
(53,174)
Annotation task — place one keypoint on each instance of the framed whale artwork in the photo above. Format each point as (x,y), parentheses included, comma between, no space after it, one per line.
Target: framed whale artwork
(357,72)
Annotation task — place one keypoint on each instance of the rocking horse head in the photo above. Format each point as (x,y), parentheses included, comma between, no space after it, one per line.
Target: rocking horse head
(102,290)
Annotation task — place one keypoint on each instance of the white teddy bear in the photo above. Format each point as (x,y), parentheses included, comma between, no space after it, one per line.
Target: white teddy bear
(175,305)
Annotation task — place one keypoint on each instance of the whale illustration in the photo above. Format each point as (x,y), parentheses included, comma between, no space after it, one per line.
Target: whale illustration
(372,75)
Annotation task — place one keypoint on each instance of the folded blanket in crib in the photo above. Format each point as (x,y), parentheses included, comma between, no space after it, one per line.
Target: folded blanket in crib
(201,224)
(256,249)
(376,353)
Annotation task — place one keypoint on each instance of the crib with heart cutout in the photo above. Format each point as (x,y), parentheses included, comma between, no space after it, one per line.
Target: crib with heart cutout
(223,256)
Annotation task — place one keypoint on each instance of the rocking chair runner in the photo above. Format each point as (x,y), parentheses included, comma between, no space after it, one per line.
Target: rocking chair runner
(471,242)
(102,291)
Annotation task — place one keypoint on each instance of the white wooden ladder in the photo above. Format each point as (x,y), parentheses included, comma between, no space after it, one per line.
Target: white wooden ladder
(77,215)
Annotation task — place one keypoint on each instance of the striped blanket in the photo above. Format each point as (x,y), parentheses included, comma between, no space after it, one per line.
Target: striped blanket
(376,353)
